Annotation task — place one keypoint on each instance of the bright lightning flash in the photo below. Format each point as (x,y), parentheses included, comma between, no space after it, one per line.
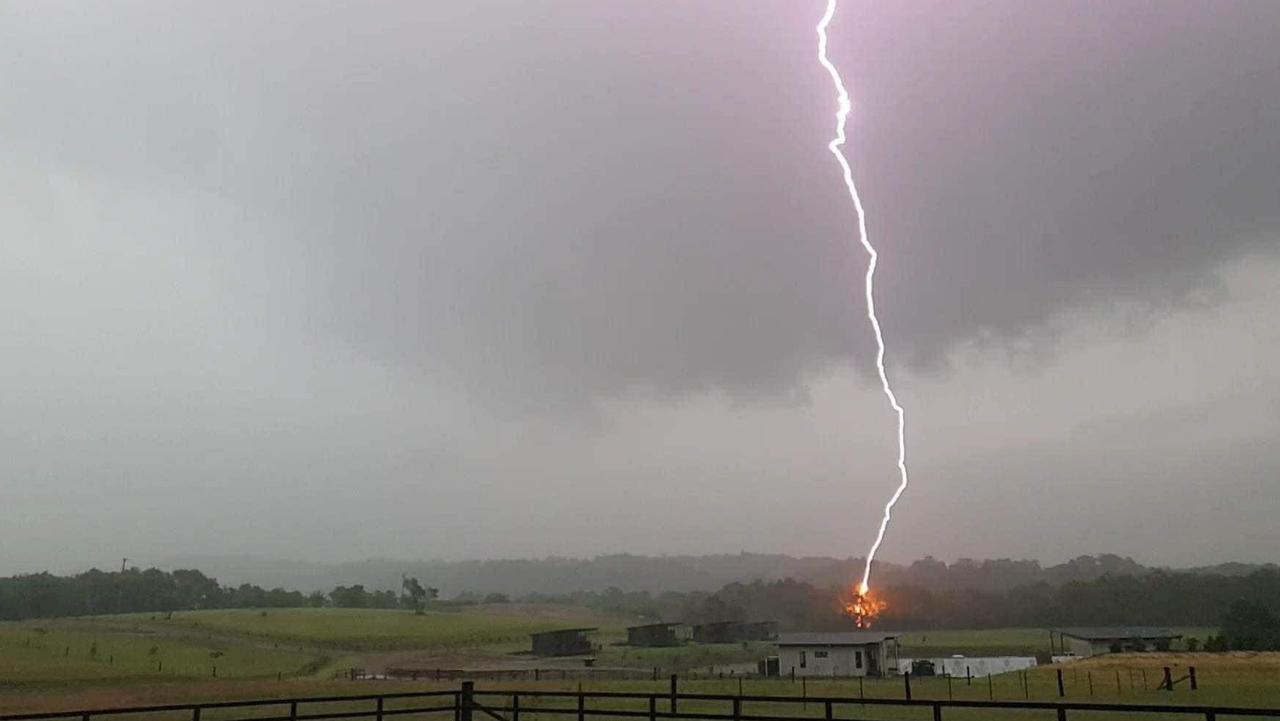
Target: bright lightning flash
(842,116)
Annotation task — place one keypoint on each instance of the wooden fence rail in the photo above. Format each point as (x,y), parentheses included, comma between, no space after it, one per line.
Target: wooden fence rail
(466,703)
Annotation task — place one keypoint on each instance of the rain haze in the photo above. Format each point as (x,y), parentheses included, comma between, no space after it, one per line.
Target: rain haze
(328,281)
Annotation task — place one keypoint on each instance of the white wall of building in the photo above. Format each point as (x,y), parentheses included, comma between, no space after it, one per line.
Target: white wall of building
(828,661)
(975,666)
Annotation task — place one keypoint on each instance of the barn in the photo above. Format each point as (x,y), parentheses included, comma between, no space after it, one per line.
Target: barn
(656,634)
(851,653)
(562,642)
(1085,642)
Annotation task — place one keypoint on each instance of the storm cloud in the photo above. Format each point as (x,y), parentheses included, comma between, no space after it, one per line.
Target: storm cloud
(424,245)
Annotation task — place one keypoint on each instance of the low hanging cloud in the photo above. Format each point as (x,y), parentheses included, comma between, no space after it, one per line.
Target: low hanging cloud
(552,205)
(311,278)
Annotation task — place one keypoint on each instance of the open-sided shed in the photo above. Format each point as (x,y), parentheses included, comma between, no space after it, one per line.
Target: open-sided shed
(655,634)
(1094,641)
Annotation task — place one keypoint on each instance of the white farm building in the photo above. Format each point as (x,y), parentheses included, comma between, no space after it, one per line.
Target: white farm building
(853,653)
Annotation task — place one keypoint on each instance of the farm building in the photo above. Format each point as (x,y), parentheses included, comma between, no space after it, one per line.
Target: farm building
(564,642)
(733,631)
(657,634)
(1085,642)
(853,653)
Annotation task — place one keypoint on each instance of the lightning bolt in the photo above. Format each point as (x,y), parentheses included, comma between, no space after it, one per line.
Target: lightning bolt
(842,117)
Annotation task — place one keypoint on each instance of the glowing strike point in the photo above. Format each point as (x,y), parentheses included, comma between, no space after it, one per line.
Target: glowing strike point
(842,116)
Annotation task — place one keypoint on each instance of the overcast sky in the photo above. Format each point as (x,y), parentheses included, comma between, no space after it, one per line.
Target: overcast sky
(326,281)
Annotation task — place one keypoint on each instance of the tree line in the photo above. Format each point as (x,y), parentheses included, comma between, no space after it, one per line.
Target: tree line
(95,592)
(1246,606)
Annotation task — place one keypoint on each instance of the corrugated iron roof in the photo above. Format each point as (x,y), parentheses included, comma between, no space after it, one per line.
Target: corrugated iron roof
(560,631)
(846,638)
(1107,633)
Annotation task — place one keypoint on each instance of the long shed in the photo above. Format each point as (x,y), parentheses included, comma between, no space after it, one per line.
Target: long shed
(655,634)
(1097,640)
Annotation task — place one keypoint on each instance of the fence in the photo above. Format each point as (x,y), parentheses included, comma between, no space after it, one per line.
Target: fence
(466,703)
(512,674)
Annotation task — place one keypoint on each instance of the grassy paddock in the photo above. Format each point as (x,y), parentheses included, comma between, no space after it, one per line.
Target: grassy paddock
(1236,680)
(369,629)
(41,653)
(149,660)
(683,658)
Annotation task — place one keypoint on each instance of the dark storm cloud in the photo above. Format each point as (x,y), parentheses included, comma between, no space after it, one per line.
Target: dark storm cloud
(1018,157)
(553,203)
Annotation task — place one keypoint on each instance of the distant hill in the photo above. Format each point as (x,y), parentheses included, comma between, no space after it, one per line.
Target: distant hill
(517,577)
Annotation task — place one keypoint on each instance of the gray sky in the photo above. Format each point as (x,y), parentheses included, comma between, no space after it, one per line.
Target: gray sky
(331,280)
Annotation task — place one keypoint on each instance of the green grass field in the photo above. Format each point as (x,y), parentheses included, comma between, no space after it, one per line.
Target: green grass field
(54,659)
(681,658)
(144,659)
(368,629)
(87,651)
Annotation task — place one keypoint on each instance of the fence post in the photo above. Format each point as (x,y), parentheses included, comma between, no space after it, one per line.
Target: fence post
(466,700)
(968,675)
(1191,671)
(991,689)
(1167,684)
(804,691)
(737,709)
(829,714)
(195,714)
(937,712)
(379,709)
(950,696)
(1119,690)
(1210,716)
(1089,674)
(293,711)
(673,693)
(515,707)
(1144,679)
(906,684)
(861,696)
(1062,714)
(1062,691)
(653,707)
(582,704)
